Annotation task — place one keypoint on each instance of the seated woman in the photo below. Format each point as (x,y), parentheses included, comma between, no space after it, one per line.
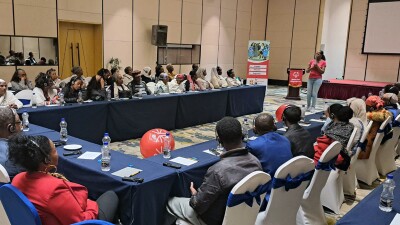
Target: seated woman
(76,72)
(201,80)
(19,81)
(96,88)
(179,84)
(162,84)
(146,75)
(192,81)
(119,89)
(54,77)
(340,130)
(359,119)
(171,73)
(72,89)
(390,104)
(109,76)
(378,115)
(43,92)
(58,201)
(232,80)
(7,98)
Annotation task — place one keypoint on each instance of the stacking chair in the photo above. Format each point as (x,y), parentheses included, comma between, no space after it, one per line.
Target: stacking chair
(93,222)
(244,200)
(288,185)
(366,170)
(4,178)
(332,196)
(385,155)
(17,206)
(349,177)
(24,96)
(311,211)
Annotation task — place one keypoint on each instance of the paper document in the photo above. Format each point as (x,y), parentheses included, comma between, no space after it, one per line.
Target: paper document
(209,152)
(282,129)
(396,220)
(126,172)
(184,161)
(319,121)
(305,124)
(89,155)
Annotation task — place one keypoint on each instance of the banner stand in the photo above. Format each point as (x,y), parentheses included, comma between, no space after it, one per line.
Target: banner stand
(295,81)
(258,63)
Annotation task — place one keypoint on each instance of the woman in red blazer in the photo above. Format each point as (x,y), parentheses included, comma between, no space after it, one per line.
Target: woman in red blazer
(58,201)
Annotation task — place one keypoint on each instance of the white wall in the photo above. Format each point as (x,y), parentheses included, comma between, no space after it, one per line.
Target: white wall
(334,36)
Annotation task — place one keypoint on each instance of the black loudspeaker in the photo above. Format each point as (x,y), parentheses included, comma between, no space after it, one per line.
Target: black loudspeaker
(159,35)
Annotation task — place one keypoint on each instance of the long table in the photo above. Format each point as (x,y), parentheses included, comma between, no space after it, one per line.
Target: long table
(368,212)
(127,119)
(141,204)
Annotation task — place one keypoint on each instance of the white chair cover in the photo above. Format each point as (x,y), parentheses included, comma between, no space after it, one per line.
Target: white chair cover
(24,96)
(349,177)
(311,211)
(385,162)
(151,86)
(366,170)
(283,205)
(242,213)
(4,177)
(3,216)
(332,195)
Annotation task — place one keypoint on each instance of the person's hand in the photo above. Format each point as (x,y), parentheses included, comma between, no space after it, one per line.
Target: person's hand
(192,189)
(13,106)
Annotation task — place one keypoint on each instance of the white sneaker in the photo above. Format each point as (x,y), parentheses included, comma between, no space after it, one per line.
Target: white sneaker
(308,109)
(312,110)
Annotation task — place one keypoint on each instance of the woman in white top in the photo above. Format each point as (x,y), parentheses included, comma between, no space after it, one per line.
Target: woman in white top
(7,98)
(231,79)
(20,81)
(162,84)
(201,80)
(217,80)
(43,92)
(179,84)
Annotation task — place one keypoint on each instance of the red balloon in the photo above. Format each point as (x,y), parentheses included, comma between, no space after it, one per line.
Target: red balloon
(152,142)
(279,112)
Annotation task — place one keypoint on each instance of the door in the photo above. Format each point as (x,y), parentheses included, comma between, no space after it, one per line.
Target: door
(80,45)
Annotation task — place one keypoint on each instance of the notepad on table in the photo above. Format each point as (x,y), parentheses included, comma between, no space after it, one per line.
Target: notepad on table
(127,172)
(89,155)
(184,161)
(396,220)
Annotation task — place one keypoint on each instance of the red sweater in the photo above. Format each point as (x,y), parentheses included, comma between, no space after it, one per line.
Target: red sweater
(58,202)
(323,143)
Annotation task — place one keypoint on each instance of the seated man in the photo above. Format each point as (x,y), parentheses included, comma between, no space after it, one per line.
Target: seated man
(207,204)
(9,124)
(139,87)
(128,76)
(300,138)
(7,98)
(271,148)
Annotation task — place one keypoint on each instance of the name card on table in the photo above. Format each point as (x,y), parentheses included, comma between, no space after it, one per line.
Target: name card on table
(396,220)
(89,155)
(184,161)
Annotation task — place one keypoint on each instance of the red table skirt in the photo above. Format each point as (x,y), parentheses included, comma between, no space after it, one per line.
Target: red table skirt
(345,89)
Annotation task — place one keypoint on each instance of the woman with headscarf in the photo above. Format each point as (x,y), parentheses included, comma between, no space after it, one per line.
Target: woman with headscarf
(201,80)
(378,114)
(340,130)
(390,103)
(146,75)
(217,80)
(359,119)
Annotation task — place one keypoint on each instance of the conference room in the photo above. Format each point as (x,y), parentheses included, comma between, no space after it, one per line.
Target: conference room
(233,112)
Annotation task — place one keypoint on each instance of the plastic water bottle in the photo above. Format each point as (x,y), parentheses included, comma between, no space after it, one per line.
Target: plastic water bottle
(33,100)
(80,98)
(166,148)
(245,129)
(25,121)
(61,99)
(108,94)
(303,113)
(105,153)
(387,196)
(63,130)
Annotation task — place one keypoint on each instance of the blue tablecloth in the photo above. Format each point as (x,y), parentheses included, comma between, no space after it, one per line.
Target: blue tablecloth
(132,118)
(368,212)
(37,130)
(139,203)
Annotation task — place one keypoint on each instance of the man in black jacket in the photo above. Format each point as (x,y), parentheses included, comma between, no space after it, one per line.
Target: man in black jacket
(300,139)
(208,202)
